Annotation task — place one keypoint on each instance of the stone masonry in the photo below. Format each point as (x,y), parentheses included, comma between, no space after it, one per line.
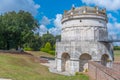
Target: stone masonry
(84,37)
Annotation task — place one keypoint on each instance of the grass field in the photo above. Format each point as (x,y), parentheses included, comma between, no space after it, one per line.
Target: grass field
(24,67)
(117,55)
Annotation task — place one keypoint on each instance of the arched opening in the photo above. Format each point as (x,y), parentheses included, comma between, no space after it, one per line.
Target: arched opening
(84,61)
(104,59)
(65,62)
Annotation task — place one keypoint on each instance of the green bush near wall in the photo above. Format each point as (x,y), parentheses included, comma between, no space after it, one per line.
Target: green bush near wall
(52,52)
(48,49)
(44,50)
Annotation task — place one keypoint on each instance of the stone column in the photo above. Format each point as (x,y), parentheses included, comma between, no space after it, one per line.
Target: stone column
(59,65)
(74,66)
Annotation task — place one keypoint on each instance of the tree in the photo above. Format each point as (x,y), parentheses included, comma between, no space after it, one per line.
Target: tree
(48,38)
(16,29)
(35,43)
(58,37)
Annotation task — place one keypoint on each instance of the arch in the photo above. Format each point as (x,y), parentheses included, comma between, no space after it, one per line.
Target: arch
(104,59)
(83,63)
(65,62)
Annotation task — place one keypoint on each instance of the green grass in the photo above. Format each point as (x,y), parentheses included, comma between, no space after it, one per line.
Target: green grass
(117,52)
(117,55)
(22,67)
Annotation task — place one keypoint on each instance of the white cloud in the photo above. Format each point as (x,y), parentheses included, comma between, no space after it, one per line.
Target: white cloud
(45,20)
(108,4)
(16,5)
(42,29)
(111,17)
(113,28)
(56,30)
(57,23)
(114,32)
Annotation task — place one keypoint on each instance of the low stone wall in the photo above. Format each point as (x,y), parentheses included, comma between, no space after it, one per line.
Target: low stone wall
(100,72)
(116,67)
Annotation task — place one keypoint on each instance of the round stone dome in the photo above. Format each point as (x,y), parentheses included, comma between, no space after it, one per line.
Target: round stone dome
(85,10)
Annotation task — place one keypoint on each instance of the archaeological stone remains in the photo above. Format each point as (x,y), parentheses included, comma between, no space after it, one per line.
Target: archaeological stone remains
(84,37)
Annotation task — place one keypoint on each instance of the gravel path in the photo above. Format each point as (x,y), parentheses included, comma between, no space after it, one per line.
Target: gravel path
(52,68)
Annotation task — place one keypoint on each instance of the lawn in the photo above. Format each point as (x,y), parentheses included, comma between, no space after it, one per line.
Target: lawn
(25,67)
(117,55)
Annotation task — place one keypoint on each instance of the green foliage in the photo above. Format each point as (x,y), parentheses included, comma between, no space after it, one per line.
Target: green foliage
(16,29)
(79,73)
(44,50)
(22,67)
(28,49)
(48,46)
(58,37)
(48,38)
(35,43)
(116,47)
(54,47)
(52,52)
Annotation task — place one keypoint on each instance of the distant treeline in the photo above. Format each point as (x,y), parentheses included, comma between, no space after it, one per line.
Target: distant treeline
(18,31)
(116,47)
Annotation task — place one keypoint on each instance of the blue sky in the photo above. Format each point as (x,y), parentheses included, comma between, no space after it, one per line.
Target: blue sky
(49,12)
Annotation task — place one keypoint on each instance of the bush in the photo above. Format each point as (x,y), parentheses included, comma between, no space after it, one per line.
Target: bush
(48,46)
(79,73)
(28,49)
(44,50)
(47,51)
(52,52)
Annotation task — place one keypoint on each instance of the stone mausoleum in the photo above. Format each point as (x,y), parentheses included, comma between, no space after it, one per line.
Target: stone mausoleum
(84,37)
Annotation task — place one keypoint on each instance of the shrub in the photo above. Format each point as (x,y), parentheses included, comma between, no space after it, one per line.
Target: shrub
(44,50)
(52,52)
(48,49)
(54,46)
(79,73)
(28,49)
(48,46)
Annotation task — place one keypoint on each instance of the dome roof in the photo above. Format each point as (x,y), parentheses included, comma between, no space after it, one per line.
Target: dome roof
(85,9)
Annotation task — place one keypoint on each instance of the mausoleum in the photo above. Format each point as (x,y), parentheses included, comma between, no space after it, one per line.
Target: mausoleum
(84,37)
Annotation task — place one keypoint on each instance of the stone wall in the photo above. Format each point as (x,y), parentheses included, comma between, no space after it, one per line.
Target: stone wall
(100,72)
